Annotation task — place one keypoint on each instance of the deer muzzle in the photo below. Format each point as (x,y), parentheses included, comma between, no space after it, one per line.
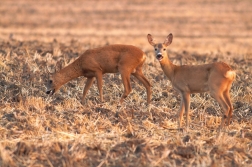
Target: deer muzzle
(159,56)
(50,92)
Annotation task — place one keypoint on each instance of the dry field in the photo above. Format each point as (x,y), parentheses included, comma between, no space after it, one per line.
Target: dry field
(38,130)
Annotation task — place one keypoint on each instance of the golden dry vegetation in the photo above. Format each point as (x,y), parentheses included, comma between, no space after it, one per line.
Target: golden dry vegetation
(38,130)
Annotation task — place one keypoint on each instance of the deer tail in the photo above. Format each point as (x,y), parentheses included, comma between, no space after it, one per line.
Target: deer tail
(230,74)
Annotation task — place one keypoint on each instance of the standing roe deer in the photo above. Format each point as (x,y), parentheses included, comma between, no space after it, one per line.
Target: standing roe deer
(93,63)
(216,78)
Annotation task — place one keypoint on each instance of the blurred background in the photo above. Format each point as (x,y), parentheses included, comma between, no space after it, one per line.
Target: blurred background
(197,25)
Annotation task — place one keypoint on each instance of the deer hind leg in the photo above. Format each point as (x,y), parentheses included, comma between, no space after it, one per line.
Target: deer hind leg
(126,83)
(139,75)
(218,96)
(228,101)
(87,86)
(99,84)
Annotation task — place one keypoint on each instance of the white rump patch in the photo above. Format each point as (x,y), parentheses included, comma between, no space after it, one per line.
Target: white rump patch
(230,75)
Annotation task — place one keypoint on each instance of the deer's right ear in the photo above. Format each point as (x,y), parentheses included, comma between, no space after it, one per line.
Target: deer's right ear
(150,39)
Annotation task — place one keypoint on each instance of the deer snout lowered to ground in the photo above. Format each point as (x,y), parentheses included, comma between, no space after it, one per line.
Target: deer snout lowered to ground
(125,59)
(216,78)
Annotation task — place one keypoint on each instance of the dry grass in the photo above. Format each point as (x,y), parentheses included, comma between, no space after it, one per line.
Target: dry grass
(37,130)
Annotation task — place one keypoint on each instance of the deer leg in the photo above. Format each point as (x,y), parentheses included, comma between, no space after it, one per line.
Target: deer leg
(99,84)
(126,83)
(87,86)
(228,101)
(186,100)
(139,75)
(180,113)
(225,107)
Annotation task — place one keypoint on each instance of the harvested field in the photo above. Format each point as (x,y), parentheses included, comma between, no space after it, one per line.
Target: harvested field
(39,130)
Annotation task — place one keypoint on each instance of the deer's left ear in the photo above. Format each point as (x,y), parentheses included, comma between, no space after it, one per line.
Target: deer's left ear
(168,40)
(58,66)
(150,39)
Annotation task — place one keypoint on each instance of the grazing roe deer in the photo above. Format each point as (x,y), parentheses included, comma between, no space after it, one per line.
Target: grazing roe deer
(93,63)
(216,78)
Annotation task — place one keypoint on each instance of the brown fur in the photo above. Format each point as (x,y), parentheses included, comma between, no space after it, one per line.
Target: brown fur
(93,63)
(216,78)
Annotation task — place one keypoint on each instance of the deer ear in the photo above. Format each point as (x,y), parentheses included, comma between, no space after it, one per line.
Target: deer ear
(168,40)
(58,66)
(48,71)
(150,39)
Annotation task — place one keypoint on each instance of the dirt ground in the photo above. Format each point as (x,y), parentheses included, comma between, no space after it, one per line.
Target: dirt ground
(39,130)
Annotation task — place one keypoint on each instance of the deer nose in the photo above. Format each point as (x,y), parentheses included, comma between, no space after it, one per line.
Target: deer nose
(159,55)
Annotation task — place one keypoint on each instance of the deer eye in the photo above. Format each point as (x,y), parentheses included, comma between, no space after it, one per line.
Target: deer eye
(155,49)
(164,49)
(50,81)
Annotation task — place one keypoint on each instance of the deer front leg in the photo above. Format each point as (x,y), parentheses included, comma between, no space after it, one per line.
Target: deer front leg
(87,87)
(99,84)
(180,112)
(186,100)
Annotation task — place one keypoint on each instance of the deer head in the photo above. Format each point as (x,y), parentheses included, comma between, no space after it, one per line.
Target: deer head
(160,48)
(52,86)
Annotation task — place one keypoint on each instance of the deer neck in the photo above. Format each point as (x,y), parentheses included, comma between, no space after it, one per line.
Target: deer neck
(67,74)
(168,68)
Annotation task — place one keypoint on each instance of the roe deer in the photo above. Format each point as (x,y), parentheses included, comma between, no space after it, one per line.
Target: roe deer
(93,63)
(216,78)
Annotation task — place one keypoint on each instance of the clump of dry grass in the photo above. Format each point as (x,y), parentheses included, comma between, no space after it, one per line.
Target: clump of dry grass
(37,130)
